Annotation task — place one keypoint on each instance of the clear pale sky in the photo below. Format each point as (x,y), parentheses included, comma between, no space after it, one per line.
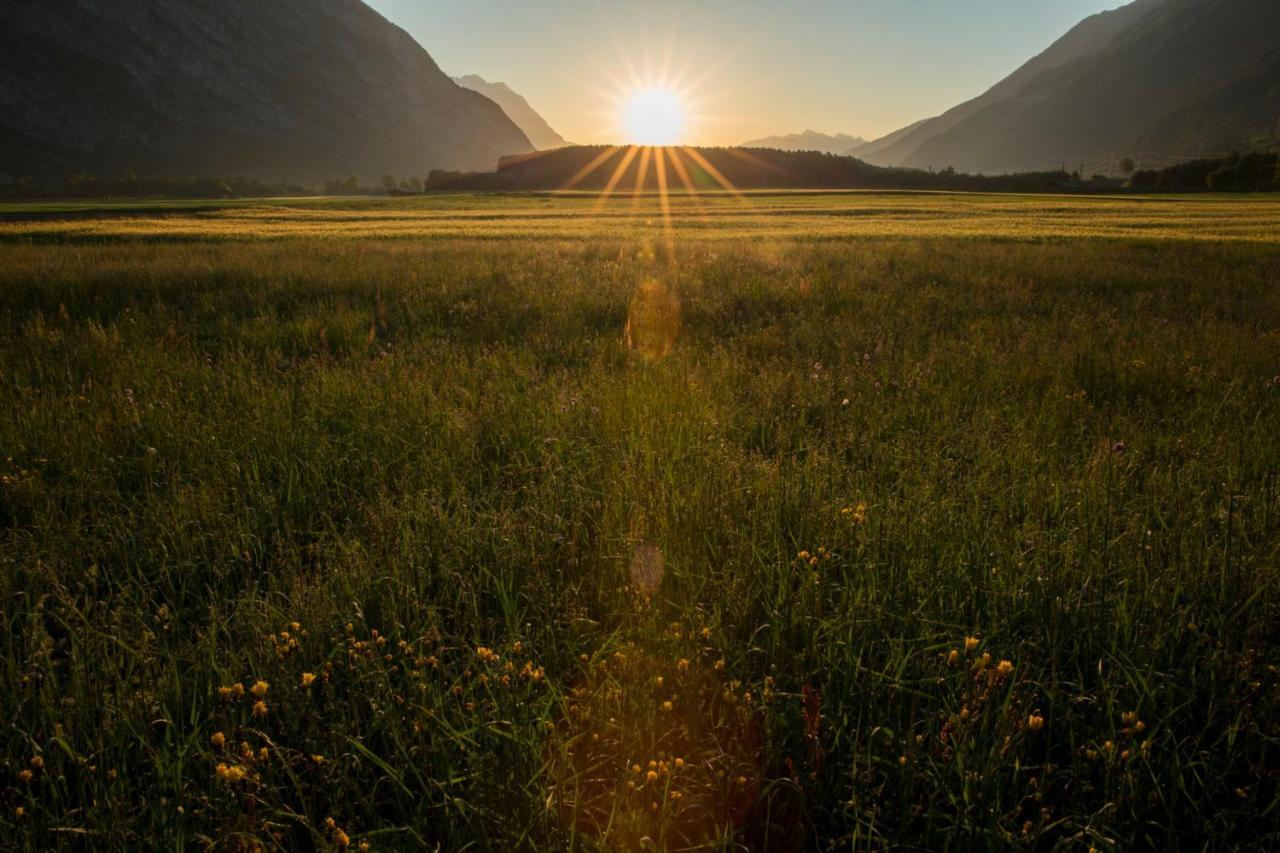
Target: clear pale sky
(864,67)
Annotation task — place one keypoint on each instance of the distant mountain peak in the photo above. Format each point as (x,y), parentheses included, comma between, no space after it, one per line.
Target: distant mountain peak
(528,119)
(809,140)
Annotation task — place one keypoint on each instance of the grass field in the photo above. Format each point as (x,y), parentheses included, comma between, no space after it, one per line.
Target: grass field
(790,521)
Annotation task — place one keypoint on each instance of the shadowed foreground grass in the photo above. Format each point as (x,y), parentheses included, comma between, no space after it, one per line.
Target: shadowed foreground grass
(315,542)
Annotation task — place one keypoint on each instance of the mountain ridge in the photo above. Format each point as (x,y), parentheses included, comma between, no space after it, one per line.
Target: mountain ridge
(279,90)
(808,140)
(518,109)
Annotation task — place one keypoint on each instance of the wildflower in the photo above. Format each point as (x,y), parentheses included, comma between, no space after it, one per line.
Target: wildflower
(953,656)
(341,839)
(234,691)
(682,665)
(742,780)
(308,678)
(260,689)
(263,754)
(902,761)
(1119,447)
(970,643)
(651,776)
(486,654)
(1004,667)
(37,762)
(981,663)
(657,682)
(675,795)
(25,775)
(20,811)
(803,556)
(218,739)
(856,514)
(720,665)
(679,763)
(1035,723)
(230,772)
(260,708)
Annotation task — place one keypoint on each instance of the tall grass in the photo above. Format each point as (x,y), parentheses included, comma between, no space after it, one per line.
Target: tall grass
(405,485)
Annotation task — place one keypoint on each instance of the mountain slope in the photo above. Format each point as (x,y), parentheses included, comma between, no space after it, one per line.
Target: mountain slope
(1190,76)
(809,140)
(528,119)
(1087,39)
(297,90)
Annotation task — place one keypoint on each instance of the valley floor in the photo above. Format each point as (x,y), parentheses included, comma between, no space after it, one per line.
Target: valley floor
(785,521)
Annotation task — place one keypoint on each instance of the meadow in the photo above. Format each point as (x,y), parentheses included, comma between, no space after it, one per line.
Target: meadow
(782,521)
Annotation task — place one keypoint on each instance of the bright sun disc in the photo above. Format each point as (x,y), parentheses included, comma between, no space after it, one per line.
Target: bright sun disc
(654,117)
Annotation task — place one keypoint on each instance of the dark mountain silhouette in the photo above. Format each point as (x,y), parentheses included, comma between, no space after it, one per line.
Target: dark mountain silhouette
(625,170)
(809,140)
(1157,80)
(296,90)
(528,119)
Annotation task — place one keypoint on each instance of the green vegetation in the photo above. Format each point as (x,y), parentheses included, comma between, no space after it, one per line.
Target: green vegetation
(816,520)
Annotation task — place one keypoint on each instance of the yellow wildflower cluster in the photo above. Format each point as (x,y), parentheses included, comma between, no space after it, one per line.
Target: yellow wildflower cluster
(815,559)
(856,514)
(287,641)
(231,773)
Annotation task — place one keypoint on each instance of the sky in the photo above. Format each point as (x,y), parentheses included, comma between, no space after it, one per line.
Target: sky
(742,68)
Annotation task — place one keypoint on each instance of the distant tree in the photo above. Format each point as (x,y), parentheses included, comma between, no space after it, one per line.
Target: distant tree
(1126,166)
(416,183)
(388,183)
(352,184)
(1223,179)
(1147,179)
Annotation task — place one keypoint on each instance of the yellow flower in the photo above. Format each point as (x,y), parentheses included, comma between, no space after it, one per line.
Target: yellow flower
(679,763)
(234,691)
(657,682)
(260,708)
(263,754)
(25,775)
(1035,723)
(308,678)
(230,772)
(651,776)
(902,761)
(970,643)
(682,665)
(218,739)
(666,706)
(37,762)
(953,656)
(260,689)
(1004,667)
(981,663)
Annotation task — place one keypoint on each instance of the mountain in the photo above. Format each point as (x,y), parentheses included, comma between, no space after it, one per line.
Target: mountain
(517,109)
(868,150)
(679,169)
(809,140)
(1157,80)
(296,90)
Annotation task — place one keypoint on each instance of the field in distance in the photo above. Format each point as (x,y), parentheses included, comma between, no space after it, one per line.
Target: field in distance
(785,520)
(796,215)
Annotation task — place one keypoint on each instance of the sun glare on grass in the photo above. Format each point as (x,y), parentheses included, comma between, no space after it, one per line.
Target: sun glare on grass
(654,117)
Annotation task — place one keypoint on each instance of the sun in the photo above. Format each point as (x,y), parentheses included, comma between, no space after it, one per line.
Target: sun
(654,116)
